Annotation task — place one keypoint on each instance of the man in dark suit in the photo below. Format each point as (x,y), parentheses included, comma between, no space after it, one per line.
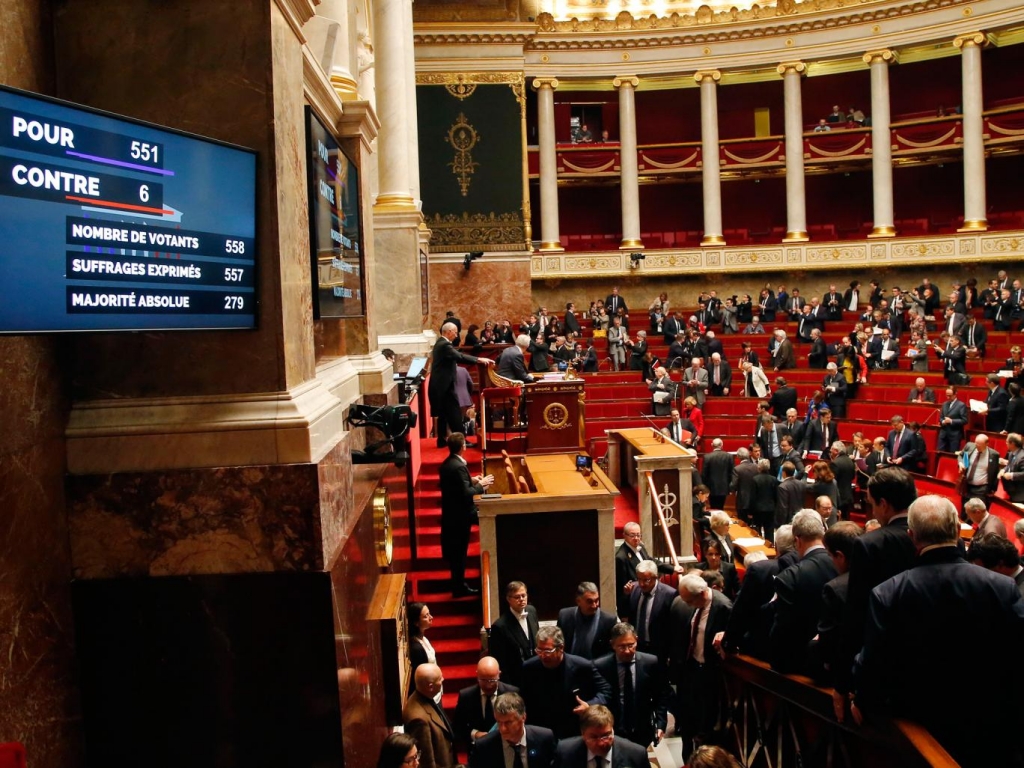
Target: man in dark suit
(838,541)
(833,302)
(954,360)
(983,520)
(511,362)
(883,351)
(1012,473)
(628,556)
(953,418)
(513,635)
(640,689)
(798,593)
(845,471)
(879,456)
(717,473)
(974,336)
(474,710)
(789,498)
(458,512)
(901,444)
(748,627)
(792,455)
(597,726)
(921,393)
(585,627)
(426,722)
(835,389)
(820,433)
(897,668)
(719,375)
(614,302)
(558,686)
(700,615)
(996,402)
(875,557)
(783,356)
(649,608)
(764,498)
(793,304)
(742,484)
(672,325)
(792,426)
(980,478)
(513,738)
(441,390)
(997,553)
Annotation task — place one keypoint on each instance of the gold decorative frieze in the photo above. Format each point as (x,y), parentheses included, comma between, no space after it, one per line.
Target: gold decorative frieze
(918,249)
(833,254)
(477,232)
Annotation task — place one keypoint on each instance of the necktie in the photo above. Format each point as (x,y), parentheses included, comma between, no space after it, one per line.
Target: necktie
(824,437)
(488,710)
(896,444)
(628,699)
(645,602)
(694,631)
(517,758)
(599,762)
(972,475)
(717,377)
(970,337)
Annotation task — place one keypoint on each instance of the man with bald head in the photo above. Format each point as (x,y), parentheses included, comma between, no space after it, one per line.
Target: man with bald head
(474,712)
(981,474)
(899,670)
(426,722)
(441,391)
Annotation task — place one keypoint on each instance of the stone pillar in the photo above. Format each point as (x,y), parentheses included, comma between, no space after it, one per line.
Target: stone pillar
(975,217)
(548,163)
(629,180)
(331,40)
(392,105)
(412,124)
(796,206)
(881,142)
(710,169)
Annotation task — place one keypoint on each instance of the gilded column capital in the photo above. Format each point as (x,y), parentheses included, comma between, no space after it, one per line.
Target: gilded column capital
(886,55)
(980,39)
(791,66)
(545,82)
(622,80)
(707,74)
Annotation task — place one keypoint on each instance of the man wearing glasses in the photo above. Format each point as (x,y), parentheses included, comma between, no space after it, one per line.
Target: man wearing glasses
(640,692)
(426,722)
(514,744)
(649,608)
(598,746)
(558,686)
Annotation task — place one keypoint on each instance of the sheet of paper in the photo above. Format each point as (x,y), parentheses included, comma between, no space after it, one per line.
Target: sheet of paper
(748,541)
(978,406)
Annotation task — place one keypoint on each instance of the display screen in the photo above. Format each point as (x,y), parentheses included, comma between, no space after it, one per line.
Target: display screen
(334,226)
(110,224)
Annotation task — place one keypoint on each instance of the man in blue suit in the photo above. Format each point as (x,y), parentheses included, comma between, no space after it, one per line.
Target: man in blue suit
(599,746)
(513,738)
(640,693)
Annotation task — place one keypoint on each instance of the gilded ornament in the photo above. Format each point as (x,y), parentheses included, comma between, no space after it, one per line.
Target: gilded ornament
(463,137)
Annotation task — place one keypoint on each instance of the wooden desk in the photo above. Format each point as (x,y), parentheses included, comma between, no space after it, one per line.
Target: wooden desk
(559,534)
(672,468)
(740,531)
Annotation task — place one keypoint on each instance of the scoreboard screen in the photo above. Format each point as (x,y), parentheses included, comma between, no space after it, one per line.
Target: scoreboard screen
(111,224)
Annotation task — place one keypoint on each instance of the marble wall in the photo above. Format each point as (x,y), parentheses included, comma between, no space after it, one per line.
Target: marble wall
(39,692)
(490,289)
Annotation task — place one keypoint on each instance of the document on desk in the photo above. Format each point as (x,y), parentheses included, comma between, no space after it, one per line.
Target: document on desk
(748,541)
(979,406)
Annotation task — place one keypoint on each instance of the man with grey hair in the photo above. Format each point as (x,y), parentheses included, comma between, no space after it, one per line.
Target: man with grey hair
(793,426)
(748,627)
(585,626)
(649,608)
(695,381)
(835,389)
(984,521)
(700,616)
(441,391)
(558,686)
(513,742)
(720,375)
(817,357)
(798,592)
(717,473)
(981,475)
(512,363)
(898,671)
(742,484)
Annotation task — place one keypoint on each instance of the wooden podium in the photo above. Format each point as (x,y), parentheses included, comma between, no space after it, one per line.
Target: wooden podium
(554,414)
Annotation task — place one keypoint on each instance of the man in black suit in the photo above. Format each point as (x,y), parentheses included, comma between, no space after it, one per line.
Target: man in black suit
(883,351)
(980,478)
(898,669)
(672,325)
(1012,473)
(458,512)
(742,484)
(513,635)
(628,556)
(875,557)
(835,389)
(597,726)
(512,361)
(845,471)
(997,553)
(838,541)
(789,498)
(921,393)
(649,608)
(558,686)
(764,498)
(792,455)
(640,689)
(614,302)
(953,418)
(748,627)
(585,627)
(996,402)
(719,375)
(792,426)
(474,710)
(717,473)
(798,593)
(513,738)
(901,444)
(817,357)
(974,336)
(441,390)
(833,301)
(820,433)
(700,616)
(954,360)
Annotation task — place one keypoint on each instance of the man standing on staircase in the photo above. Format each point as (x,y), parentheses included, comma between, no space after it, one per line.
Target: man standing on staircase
(444,403)
(458,512)
(426,722)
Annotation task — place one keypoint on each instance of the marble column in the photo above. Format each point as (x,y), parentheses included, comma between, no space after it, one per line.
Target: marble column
(970,46)
(881,142)
(332,40)
(392,105)
(710,168)
(629,174)
(412,124)
(548,163)
(796,205)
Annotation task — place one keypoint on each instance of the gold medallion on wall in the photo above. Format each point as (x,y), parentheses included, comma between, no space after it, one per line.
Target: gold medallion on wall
(383,537)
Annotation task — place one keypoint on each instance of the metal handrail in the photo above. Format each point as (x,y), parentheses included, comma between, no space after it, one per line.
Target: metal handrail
(485,593)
